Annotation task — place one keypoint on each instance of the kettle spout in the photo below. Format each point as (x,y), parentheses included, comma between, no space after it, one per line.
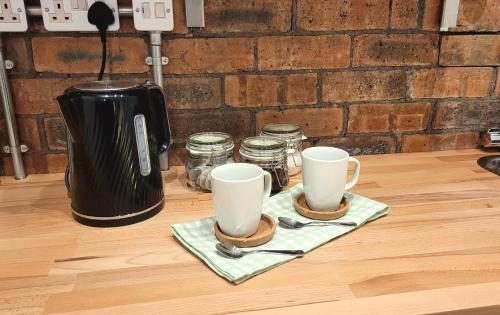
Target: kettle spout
(62,100)
(64,105)
(69,115)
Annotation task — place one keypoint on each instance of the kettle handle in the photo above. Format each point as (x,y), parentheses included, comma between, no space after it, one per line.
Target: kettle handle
(157,103)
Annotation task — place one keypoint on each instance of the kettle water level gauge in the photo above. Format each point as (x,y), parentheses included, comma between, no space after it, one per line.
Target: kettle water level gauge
(141,138)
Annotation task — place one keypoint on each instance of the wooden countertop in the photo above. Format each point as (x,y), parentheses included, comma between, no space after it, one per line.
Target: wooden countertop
(437,251)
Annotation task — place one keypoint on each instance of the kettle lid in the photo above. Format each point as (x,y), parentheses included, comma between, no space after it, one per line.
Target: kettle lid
(106,85)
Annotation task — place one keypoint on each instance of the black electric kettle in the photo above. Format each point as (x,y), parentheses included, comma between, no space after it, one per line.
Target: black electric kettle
(117,129)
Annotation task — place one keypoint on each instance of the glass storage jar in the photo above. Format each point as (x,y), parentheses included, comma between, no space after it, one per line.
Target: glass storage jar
(270,153)
(206,150)
(293,135)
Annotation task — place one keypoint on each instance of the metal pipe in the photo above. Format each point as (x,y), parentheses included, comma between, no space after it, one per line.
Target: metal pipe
(34,11)
(125,11)
(10,119)
(155,47)
(157,69)
(37,11)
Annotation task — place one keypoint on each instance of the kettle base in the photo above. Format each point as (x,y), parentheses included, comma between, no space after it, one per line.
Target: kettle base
(118,221)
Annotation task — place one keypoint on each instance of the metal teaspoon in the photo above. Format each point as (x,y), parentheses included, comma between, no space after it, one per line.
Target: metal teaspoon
(236,252)
(294,224)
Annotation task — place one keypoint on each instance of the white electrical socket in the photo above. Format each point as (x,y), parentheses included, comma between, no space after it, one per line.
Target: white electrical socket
(71,15)
(154,15)
(13,16)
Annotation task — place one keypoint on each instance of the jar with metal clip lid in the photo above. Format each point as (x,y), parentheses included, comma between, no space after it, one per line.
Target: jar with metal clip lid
(293,135)
(270,153)
(206,150)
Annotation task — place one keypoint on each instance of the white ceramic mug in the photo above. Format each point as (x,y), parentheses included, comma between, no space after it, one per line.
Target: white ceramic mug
(324,173)
(239,190)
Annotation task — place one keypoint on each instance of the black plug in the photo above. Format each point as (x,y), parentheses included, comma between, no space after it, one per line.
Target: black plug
(101,15)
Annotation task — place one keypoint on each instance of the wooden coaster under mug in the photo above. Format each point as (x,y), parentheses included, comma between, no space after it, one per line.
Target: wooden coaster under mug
(264,234)
(302,208)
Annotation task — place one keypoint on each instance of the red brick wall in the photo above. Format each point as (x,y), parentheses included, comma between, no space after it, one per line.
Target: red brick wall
(372,76)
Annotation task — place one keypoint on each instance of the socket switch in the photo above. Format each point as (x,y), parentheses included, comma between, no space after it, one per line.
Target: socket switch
(79,5)
(13,16)
(153,15)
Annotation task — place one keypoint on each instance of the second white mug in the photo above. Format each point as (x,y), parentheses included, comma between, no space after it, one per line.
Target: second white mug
(324,173)
(239,191)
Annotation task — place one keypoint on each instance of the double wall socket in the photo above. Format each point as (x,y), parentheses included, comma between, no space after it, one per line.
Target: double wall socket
(155,15)
(71,15)
(13,16)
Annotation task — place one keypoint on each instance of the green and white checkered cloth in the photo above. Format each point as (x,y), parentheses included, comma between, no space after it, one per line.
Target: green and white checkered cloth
(198,236)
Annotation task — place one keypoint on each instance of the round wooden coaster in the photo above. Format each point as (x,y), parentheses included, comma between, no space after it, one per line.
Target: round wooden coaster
(302,208)
(264,234)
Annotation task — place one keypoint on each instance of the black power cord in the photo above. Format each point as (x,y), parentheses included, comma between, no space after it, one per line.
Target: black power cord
(101,15)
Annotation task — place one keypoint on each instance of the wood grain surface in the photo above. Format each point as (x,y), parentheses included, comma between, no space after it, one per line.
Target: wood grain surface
(437,252)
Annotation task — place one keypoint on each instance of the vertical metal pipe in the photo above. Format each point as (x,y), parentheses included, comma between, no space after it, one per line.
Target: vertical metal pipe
(157,69)
(155,47)
(10,119)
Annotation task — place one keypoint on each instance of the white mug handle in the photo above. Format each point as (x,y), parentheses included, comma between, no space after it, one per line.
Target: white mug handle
(355,176)
(268,185)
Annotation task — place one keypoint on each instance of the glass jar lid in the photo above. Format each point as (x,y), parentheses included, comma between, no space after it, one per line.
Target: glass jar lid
(208,142)
(264,146)
(283,130)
